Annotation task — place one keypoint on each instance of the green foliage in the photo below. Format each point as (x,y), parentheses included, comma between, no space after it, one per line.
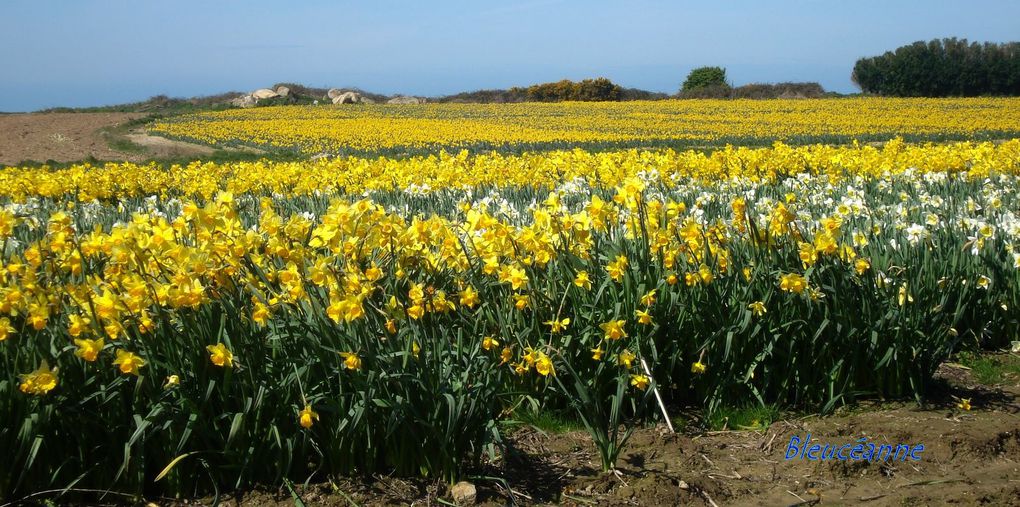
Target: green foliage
(942,68)
(752,418)
(705,77)
(991,369)
(588,90)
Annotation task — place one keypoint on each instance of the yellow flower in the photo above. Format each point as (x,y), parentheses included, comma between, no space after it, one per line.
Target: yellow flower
(220,355)
(259,313)
(517,277)
(698,368)
(792,282)
(617,268)
(757,308)
(171,382)
(964,404)
(614,329)
(506,355)
(307,417)
(88,349)
(672,279)
(904,296)
(40,381)
(596,353)
(521,301)
(582,280)
(649,298)
(415,311)
(705,274)
(640,381)
(489,342)
(6,331)
(861,265)
(128,362)
(557,325)
(469,297)
(391,326)
(543,365)
(415,349)
(643,317)
(351,360)
(626,358)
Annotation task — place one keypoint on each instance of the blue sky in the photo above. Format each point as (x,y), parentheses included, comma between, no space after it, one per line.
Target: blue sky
(95,52)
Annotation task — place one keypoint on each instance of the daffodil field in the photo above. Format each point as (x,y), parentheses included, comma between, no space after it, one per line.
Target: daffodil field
(180,329)
(427,128)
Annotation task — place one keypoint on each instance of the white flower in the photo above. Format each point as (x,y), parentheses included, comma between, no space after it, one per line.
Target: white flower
(916,233)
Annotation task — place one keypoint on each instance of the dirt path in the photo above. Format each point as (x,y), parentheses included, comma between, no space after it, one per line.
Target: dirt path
(69,137)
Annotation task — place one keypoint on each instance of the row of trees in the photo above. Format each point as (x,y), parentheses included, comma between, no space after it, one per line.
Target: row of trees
(942,68)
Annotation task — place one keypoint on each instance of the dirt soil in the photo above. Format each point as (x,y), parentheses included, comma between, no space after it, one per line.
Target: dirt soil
(970,458)
(70,137)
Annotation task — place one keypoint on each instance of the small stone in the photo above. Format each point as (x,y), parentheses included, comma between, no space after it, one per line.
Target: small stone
(464,493)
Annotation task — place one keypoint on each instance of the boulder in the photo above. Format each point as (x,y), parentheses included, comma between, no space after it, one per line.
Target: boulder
(365,100)
(464,493)
(264,93)
(402,99)
(282,91)
(245,101)
(347,98)
(334,93)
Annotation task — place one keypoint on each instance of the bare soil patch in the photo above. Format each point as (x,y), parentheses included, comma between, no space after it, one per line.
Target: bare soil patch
(970,458)
(70,137)
(62,137)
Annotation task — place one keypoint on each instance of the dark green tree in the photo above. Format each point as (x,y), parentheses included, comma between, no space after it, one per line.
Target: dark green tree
(705,77)
(942,68)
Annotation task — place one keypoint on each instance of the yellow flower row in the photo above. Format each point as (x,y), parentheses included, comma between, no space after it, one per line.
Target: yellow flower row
(380,127)
(87,182)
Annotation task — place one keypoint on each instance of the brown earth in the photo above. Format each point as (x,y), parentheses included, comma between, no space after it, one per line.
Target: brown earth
(70,137)
(970,458)
(62,137)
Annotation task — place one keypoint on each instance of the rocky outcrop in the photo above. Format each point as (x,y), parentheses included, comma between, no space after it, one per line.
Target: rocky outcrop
(244,101)
(264,93)
(402,99)
(347,98)
(283,91)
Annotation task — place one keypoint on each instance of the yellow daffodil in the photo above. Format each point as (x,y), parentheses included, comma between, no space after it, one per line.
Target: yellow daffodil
(40,381)
(351,360)
(643,317)
(557,325)
(220,355)
(626,358)
(307,417)
(757,308)
(88,349)
(127,362)
(582,280)
(614,329)
(640,382)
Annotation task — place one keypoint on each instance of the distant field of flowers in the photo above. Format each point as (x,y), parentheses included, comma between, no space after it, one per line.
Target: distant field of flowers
(415,129)
(175,329)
